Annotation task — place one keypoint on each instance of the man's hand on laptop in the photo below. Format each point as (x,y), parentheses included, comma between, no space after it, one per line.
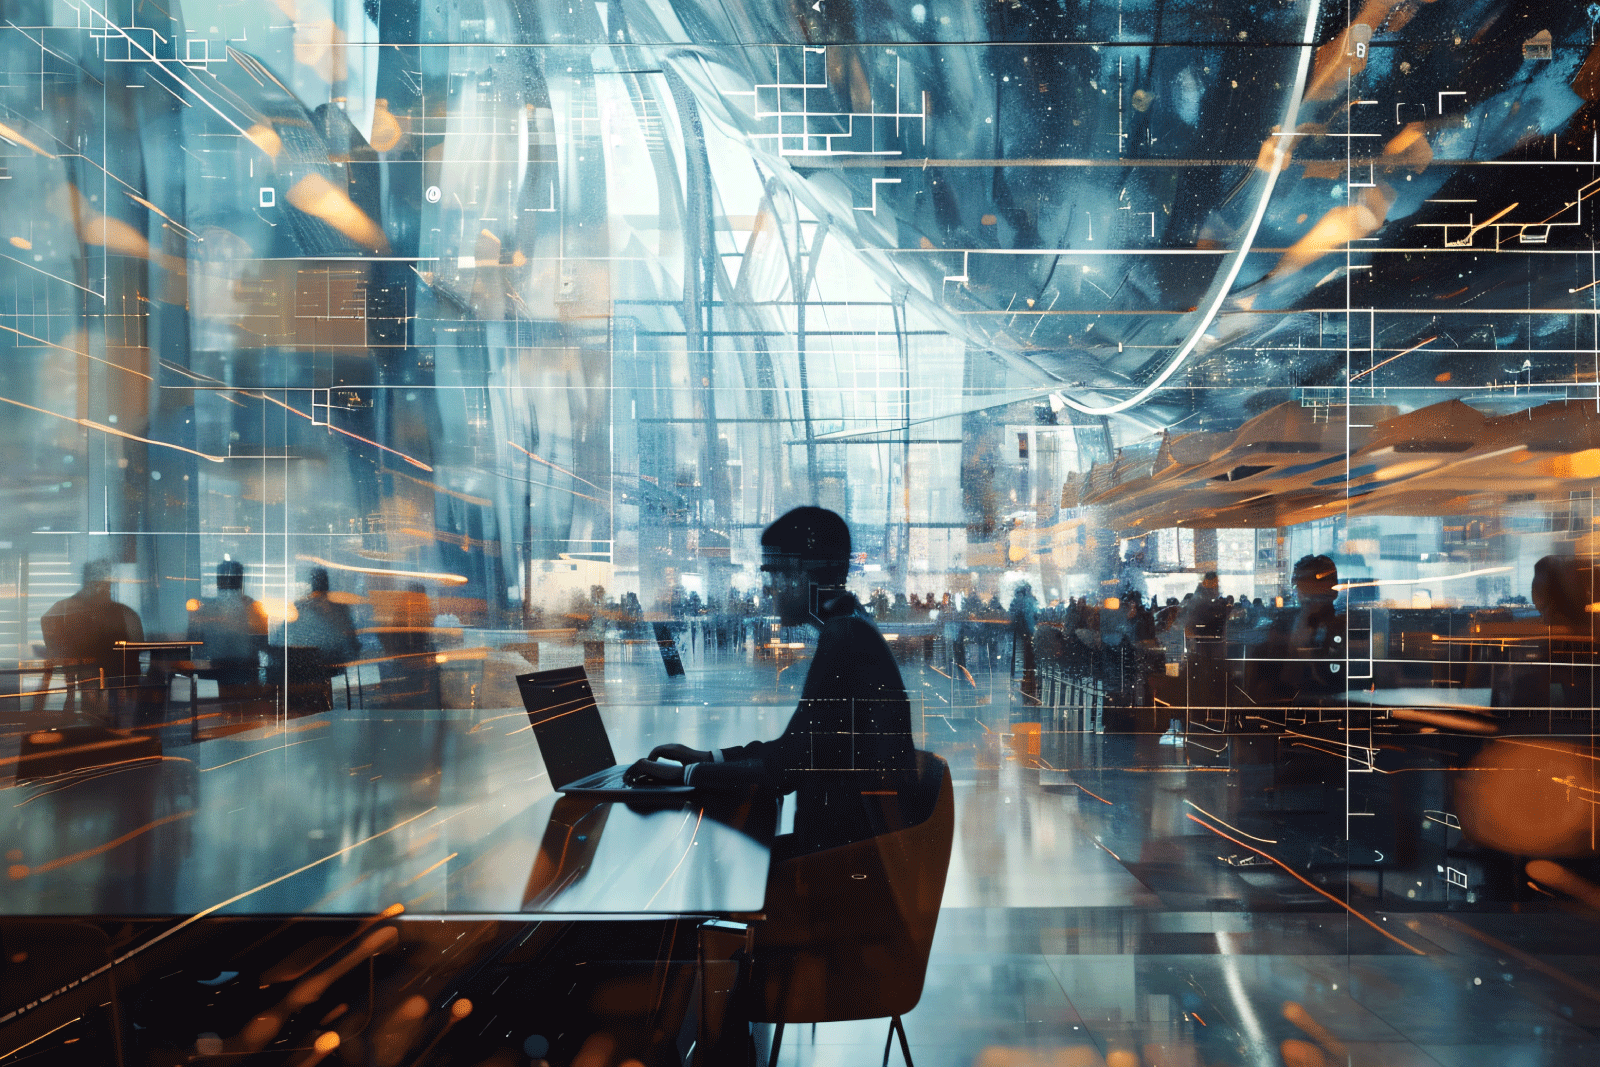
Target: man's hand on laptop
(679,754)
(654,772)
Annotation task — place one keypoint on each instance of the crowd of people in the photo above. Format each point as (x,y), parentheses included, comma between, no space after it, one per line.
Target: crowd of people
(1290,652)
(96,645)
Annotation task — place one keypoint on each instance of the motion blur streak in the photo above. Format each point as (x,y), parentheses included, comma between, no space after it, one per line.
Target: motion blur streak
(1308,885)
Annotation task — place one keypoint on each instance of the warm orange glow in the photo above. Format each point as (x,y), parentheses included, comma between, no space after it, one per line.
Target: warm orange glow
(1446,720)
(320,45)
(265,138)
(278,609)
(326,1042)
(386,129)
(320,198)
(22,243)
(16,138)
(1410,149)
(1585,464)
(460,1009)
(191,604)
(1404,470)
(1529,800)
(1338,227)
(1558,877)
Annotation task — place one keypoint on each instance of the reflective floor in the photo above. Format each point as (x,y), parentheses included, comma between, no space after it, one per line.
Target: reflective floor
(1085,920)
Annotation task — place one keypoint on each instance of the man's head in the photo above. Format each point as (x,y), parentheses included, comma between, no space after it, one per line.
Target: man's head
(319,579)
(803,553)
(1560,591)
(1315,578)
(97,577)
(230,575)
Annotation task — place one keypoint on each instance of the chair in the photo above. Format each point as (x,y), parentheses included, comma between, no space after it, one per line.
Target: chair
(848,930)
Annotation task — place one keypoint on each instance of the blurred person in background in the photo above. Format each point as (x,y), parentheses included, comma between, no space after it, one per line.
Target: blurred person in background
(231,629)
(82,633)
(316,642)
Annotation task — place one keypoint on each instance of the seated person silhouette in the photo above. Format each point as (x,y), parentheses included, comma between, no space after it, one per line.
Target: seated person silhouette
(232,631)
(1562,589)
(1205,635)
(318,641)
(324,624)
(848,743)
(82,632)
(1316,636)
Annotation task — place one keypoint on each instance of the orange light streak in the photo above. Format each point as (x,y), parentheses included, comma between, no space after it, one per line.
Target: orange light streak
(1391,359)
(430,870)
(1308,885)
(263,752)
(198,916)
(91,424)
(1235,829)
(75,352)
(328,425)
(19,872)
(554,466)
(434,576)
(1101,799)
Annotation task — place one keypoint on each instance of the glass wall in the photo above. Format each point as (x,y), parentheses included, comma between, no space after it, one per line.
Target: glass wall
(1212,392)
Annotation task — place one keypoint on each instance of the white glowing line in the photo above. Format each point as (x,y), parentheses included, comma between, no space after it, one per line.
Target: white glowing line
(191,920)
(1249,1021)
(435,576)
(1420,581)
(1279,151)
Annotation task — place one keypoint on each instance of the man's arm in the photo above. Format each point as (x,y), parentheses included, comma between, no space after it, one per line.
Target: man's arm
(822,712)
(820,732)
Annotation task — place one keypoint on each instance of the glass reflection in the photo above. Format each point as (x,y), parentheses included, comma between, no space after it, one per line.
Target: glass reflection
(1212,393)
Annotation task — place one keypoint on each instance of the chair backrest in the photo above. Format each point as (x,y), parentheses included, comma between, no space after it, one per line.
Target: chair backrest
(848,930)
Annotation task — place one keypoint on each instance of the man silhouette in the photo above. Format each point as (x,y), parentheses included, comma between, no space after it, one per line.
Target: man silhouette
(852,728)
(83,632)
(324,624)
(232,631)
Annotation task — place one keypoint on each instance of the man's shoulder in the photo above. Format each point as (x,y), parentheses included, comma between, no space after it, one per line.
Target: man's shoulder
(853,626)
(64,606)
(855,638)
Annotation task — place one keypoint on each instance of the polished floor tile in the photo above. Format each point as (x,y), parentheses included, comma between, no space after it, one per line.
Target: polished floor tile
(1088,921)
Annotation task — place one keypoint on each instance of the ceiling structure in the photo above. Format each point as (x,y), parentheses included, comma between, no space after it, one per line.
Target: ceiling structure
(1112,199)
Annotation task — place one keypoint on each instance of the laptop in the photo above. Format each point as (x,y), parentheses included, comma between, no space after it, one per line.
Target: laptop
(572,739)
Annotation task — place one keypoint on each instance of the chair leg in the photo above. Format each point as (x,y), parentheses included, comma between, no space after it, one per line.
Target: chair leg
(777,1041)
(898,1026)
(888,1042)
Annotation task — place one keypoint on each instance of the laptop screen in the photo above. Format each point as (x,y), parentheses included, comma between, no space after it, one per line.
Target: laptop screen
(566,723)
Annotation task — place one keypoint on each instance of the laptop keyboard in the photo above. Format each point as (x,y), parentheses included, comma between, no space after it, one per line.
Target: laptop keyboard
(615,778)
